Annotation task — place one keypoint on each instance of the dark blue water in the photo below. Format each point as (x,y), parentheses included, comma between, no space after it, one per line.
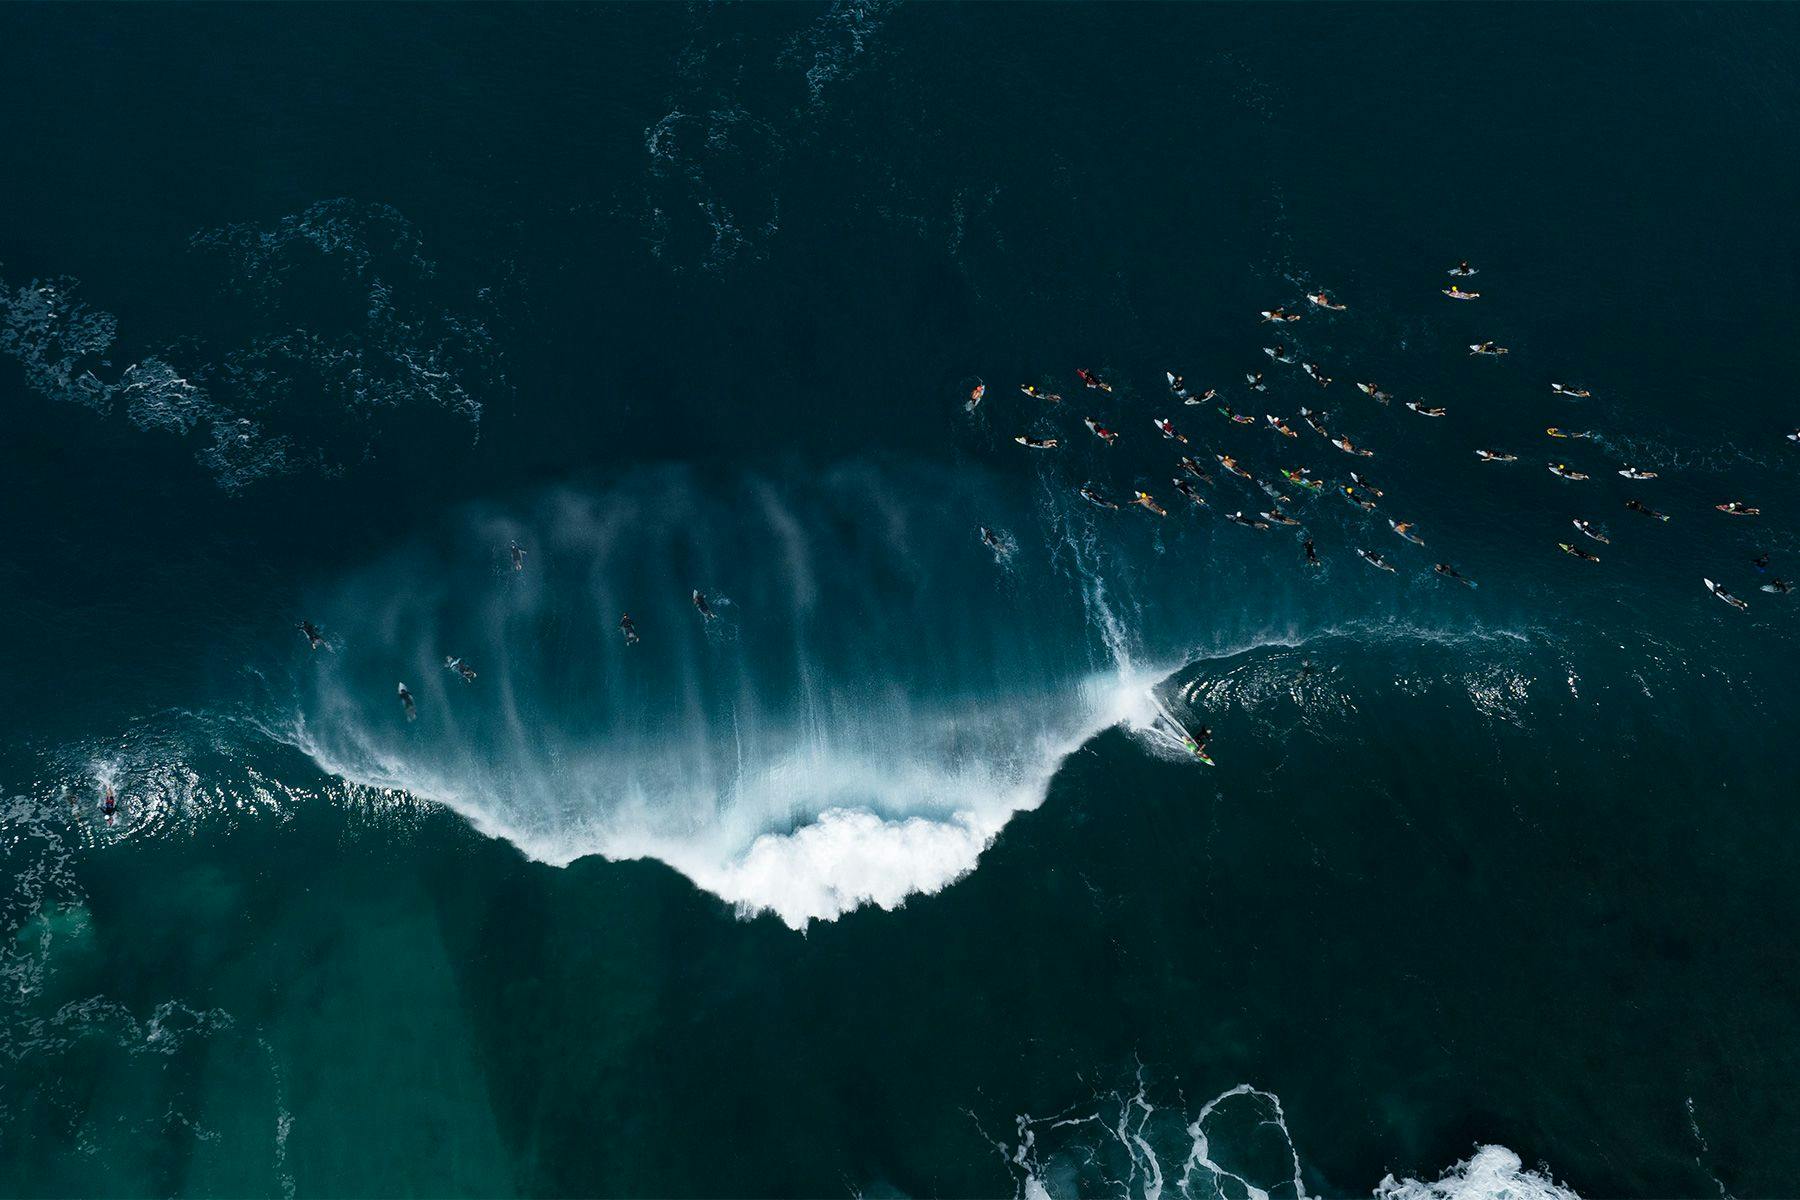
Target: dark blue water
(891,879)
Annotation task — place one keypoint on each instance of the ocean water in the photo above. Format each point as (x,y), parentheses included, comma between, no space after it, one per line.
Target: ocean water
(891,879)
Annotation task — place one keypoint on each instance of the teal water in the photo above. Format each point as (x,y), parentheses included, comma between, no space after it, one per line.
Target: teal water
(885,882)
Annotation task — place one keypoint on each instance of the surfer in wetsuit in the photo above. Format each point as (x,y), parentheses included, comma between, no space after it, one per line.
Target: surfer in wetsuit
(702,607)
(629,629)
(1312,556)
(406,702)
(109,805)
(313,637)
(461,668)
(518,557)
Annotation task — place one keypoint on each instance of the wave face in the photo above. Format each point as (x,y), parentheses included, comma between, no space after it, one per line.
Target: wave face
(854,726)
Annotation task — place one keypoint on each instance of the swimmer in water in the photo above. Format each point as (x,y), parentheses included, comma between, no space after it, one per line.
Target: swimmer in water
(628,629)
(407,704)
(314,639)
(459,667)
(702,607)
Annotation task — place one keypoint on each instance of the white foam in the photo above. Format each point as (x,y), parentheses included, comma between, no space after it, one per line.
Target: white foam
(1492,1173)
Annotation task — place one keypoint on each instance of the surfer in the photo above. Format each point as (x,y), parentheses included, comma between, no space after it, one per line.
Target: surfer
(314,639)
(1100,431)
(1240,519)
(1095,498)
(1726,596)
(1587,527)
(1177,385)
(1495,456)
(1230,464)
(1092,380)
(518,557)
(1370,390)
(1405,530)
(1279,425)
(1313,373)
(1255,381)
(1780,587)
(1639,506)
(1362,502)
(407,704)
(1456,293)
(1462,270)
(1488,348)
(1187,489)
(1312,555)
(1202,398)
(628,628)
(461,668)
(1167,429)
(1031,443)
(1450,572)
(992,541)
(1366,486)
(1738,508)
(1424,410)
(1325,302)
(1279,353)
(975,395)
(1146,500)
(1278,314)
(1038,393)
(1578,552)
(109,804)
(1344,443)
(1316,420)
(1631,472)
(702,607)
(1375,560)
(1574,393)
(1555,432)
(1564,471)
(1193,468)
(1276,517)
